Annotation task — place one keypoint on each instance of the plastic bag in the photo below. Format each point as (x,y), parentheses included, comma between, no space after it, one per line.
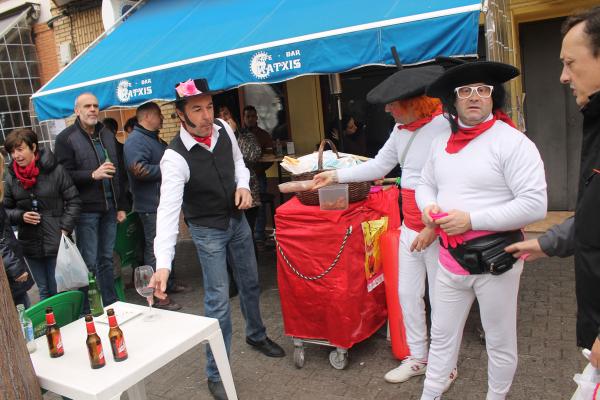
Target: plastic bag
(372,231)
(71,271)
(588,382)
(296,186)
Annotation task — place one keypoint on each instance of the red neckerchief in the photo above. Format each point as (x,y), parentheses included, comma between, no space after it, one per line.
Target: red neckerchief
(27,175)
(463,136)
(413,126)
(205,140)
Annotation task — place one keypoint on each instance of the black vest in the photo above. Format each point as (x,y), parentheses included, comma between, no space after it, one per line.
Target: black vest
(209,195)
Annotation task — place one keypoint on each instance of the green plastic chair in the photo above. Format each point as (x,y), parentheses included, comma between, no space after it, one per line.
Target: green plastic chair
(67,307)
(130,239)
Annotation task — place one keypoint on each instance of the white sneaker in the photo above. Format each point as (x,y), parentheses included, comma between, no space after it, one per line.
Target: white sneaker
(407,369)
(451,378)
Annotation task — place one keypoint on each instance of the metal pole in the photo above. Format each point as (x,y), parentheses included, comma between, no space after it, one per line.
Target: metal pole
(335,88)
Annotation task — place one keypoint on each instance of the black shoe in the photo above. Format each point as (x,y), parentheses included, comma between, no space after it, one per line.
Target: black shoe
(170,305)
(268,347)
(217,390)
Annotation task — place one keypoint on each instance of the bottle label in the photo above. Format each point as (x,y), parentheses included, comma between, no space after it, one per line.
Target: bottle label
(50,319)
(57,340)
(91,329)
(100,354)
(28,332)
(119,347)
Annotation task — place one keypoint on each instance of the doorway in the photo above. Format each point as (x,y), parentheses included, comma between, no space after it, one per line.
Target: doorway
(552,118)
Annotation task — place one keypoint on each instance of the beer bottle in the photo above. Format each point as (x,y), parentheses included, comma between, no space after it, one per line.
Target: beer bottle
(55,345)
(94,344)
(96,306)
(34,203)
(115,335)
(108,160)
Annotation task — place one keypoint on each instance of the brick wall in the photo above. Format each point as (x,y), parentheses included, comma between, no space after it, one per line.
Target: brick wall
(170,124)
(80,29)
(45,46)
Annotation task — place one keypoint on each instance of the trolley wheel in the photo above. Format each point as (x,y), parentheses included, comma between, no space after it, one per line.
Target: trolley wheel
(299,356)
(338,358)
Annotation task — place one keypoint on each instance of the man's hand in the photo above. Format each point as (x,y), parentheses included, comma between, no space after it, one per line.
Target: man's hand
(232,124)
(423,239)
(159,282)
(528,249)
(31,218)
(324,178)
(426,218)
(66,233)
(243,198)
(105,171)
(595,356)
(22,277)
(138,170)
(121,216)
(455,223)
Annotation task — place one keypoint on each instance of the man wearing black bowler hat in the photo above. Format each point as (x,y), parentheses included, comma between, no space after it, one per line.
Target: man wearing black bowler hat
(479,186)
(203,174)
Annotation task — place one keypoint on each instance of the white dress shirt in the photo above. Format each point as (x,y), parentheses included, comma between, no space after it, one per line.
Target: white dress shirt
(175,174)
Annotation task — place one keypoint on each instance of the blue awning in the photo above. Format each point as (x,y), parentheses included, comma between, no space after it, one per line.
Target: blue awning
(235,42)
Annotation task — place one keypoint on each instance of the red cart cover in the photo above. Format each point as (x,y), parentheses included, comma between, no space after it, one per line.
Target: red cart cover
(335,305)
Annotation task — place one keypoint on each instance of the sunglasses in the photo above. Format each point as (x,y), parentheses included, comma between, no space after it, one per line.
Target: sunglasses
(483,91)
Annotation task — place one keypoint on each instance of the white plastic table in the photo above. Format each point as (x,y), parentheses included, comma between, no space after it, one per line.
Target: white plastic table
(150,344)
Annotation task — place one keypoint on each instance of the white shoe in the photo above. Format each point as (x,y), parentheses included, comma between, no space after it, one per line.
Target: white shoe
(451,378)
(406,370)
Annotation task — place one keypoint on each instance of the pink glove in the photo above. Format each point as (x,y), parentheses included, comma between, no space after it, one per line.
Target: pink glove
(447,240)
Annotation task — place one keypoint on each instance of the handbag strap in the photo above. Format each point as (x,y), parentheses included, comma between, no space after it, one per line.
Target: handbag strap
(405,152)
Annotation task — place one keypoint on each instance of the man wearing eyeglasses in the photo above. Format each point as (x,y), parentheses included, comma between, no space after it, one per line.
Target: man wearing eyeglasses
(480,187)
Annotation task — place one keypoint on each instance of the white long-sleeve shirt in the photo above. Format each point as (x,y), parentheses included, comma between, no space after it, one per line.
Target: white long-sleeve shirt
(390,155)
(175,174)
(498,178)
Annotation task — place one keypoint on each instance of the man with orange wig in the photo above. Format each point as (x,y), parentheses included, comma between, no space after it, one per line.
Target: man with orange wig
(419,121)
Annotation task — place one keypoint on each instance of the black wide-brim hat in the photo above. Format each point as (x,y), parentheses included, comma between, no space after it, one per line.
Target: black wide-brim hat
(404,84)
(192,88)
(489,72)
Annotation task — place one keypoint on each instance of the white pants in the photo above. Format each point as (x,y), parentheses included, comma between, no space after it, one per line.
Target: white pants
(414,268)
(497,297)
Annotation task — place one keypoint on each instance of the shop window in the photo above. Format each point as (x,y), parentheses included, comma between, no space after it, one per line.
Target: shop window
(19,75)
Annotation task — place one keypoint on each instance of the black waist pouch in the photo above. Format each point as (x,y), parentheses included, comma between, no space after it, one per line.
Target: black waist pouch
(486,254)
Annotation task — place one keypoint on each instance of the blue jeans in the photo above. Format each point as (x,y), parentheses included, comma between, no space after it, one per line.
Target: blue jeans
(149,225)
(96,234)
(43,269)
(261,218)
(213,245)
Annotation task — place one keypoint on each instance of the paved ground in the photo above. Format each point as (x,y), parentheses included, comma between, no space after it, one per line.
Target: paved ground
(548,355)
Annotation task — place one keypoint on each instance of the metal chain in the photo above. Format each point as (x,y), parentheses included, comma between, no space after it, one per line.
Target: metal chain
(322,274)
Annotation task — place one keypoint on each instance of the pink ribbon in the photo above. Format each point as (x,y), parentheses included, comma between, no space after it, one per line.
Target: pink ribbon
(187,88)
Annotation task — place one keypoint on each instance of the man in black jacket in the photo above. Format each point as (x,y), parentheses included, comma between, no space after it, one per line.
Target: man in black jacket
(143,151)
(87,149)
(580,235)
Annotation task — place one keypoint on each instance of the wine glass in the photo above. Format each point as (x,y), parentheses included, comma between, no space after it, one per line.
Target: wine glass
(142,276)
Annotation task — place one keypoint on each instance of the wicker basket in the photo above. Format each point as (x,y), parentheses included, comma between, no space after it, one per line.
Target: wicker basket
(357,191)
